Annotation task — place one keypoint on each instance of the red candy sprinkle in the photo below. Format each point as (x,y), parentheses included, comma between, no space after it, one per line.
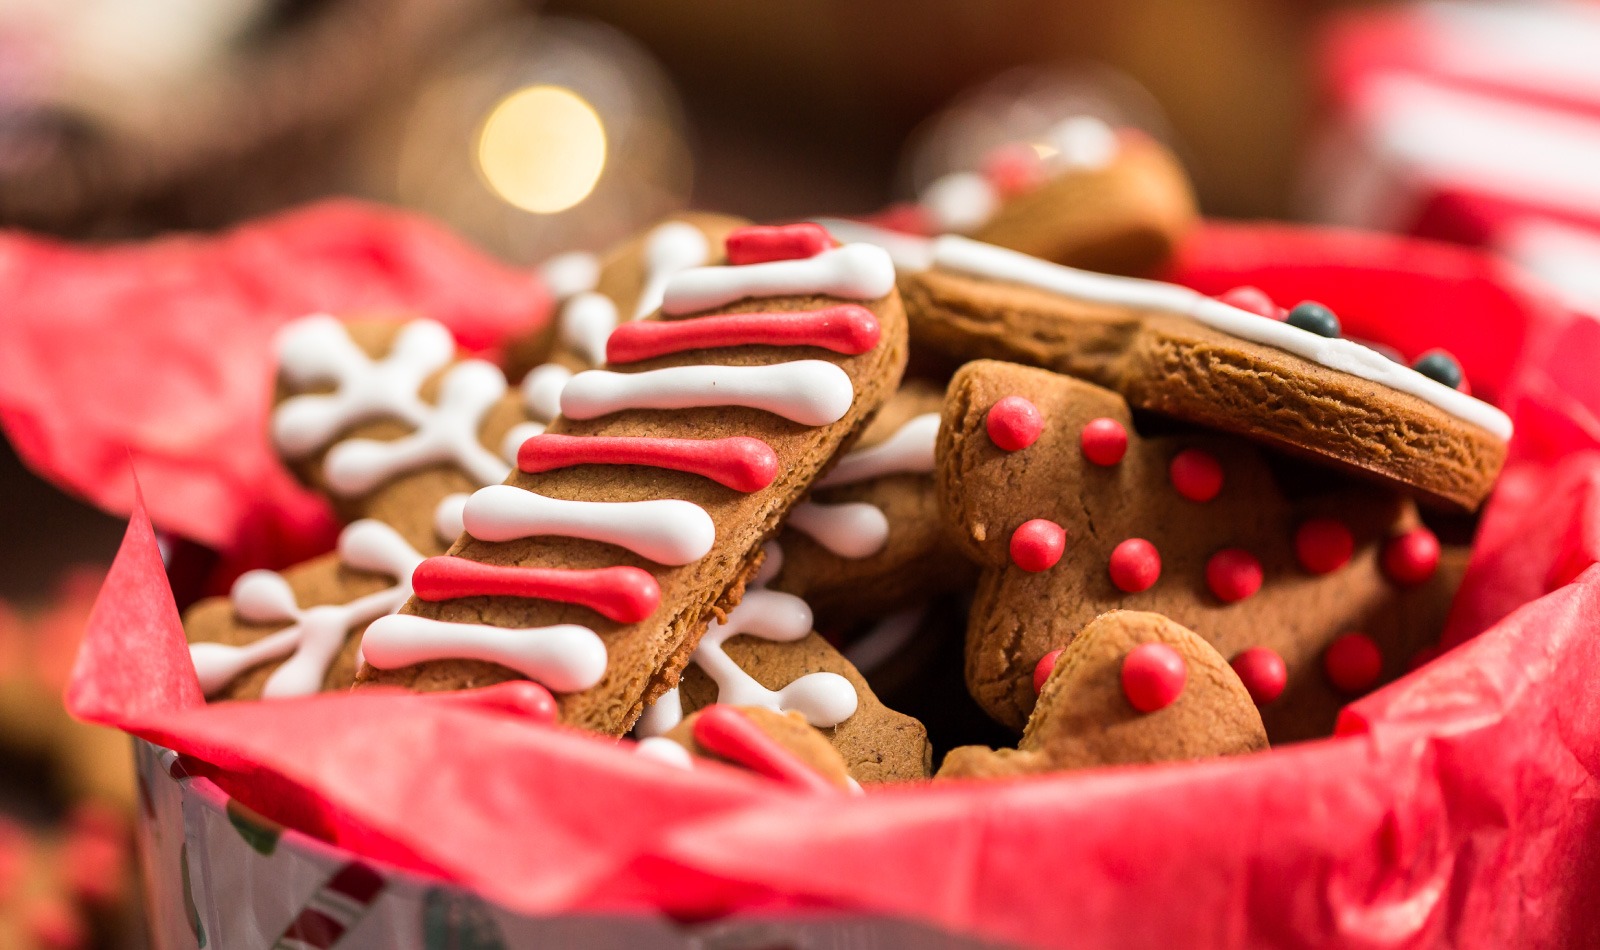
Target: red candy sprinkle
(1412,557)
(1323,545)
(1042,671)
(1037,545)
(1197,475)
(1353,663)
(1135,565)
(1233,574)
(1263,673)
(759,244)
(1253,300)
(1153,676)
(1012,169)
(1014,423)
(1104,441)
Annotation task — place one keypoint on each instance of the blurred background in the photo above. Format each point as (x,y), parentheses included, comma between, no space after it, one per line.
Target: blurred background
(538,128)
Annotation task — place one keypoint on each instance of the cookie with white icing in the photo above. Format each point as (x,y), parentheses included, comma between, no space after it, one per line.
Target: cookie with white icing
(1318,590)
(765,654)
(387,420)
(1290,383)
(634,521)
(1082,194)
(1131,688)
(869,539)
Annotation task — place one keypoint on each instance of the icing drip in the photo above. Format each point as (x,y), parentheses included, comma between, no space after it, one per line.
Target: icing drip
(984,260)
(541,391)
(317,350)
(909,451)
(960,201)
(565,657)
(315,635)
(849,329)
(570,274)
(586,322)
(853,272)
(810,392)
(447,517)
(858,529)
(666,531)
(825,699)
(852,529)
(446,433)
(673,247)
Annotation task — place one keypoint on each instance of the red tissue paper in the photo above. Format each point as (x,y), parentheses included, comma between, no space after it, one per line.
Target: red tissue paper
(1458,806)
(161,352)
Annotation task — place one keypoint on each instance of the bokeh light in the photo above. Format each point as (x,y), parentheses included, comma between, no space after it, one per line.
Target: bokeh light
(542,149)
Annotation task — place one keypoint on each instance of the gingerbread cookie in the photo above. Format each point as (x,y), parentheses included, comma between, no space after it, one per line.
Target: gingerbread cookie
(1317,593)
(1290,383)
(780,746)
(869,539)
(765,654)
(634,521)
(1083,194)
(404,430)
(594,293)
(1131,687)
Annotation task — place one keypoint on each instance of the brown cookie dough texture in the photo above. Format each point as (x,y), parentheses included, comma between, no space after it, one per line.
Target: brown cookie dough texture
(877,744)
(406,503)
(1084,718)
(790,731)
(1018,616)
(621,274)
(1182,368)
(1126,217)
(645,658)
(917,559)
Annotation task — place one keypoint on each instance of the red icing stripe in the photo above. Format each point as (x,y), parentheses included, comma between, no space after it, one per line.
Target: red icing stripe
(759,244)
(848,329)
(623,594)
(724,731)
(740,462)
(313,928)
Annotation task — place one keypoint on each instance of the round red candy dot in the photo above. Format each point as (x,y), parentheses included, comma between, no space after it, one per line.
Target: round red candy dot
(1037,545)
(1323,545)
(1353,663)
(1013,423)
(1012,169)
(1042,671)
(1412,557)
(1196,475)
(1262,672)
(1104,441)
(1233,574)
(1135,565)
(1153,675)
(1253,300)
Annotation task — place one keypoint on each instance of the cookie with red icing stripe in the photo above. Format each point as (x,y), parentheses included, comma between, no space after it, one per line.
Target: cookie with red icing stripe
(1131,687)
(1316,587)
(1240,364)
(635,520)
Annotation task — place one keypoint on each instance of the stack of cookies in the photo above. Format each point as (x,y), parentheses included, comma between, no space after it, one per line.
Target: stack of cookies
(1172,526)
